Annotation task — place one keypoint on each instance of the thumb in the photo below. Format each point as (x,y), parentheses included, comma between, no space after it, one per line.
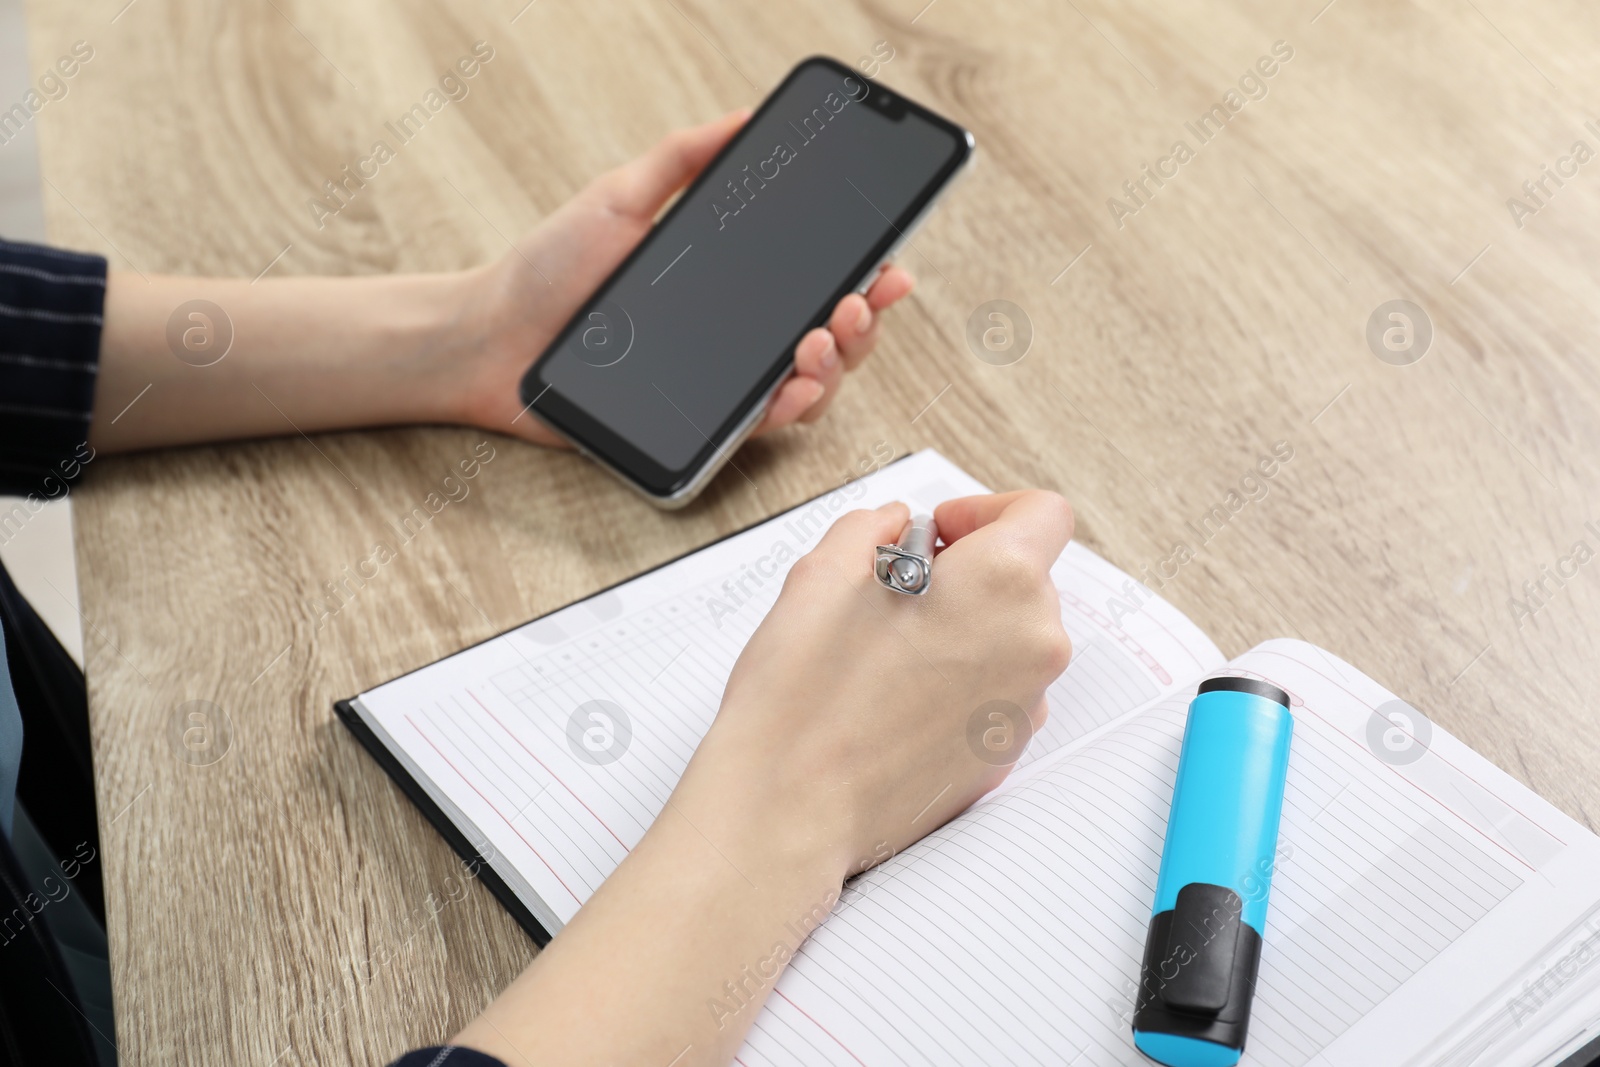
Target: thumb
(641,186)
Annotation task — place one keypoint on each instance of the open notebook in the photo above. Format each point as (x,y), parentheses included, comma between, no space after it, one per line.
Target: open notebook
(1426,907)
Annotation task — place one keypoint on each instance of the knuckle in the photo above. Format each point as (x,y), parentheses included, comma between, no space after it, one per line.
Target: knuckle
(1055,507)
(1057,655)
(809,569)
(610,189)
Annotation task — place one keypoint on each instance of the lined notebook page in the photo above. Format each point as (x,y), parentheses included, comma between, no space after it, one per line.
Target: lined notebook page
(1404,895)
(1407,893)
(488,731)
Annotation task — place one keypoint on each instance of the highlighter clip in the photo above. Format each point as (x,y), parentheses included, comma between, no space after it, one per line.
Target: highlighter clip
(1199,972)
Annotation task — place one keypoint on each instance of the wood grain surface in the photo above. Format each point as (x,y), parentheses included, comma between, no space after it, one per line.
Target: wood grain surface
(274,906)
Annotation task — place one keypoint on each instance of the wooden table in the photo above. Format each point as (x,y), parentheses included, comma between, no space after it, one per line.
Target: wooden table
(1173,346)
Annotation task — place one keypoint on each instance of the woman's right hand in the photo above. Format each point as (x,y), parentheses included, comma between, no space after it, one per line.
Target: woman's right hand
(858,719)
(853,724)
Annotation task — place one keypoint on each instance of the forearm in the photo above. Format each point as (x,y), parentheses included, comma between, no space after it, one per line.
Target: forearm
(283,355)
(671,959)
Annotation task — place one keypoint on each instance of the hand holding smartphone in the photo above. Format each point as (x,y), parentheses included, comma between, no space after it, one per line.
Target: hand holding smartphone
(669,365)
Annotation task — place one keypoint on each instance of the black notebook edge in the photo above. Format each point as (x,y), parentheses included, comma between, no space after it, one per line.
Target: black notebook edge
(457,840)
(345,709)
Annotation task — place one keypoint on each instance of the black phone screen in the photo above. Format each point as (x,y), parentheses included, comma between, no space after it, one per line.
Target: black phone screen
(670,354)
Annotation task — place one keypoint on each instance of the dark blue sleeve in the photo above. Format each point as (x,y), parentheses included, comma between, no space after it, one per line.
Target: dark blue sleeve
(446,1056)
(51,307)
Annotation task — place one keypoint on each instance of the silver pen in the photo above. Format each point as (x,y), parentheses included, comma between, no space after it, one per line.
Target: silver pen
(907,565)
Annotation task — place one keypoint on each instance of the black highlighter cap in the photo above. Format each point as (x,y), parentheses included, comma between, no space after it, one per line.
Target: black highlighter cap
(1199,974)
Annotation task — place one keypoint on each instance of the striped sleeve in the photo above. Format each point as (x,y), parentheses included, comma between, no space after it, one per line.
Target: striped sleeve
(51,307)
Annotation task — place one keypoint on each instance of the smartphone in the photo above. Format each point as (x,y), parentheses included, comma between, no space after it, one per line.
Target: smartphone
(669,365)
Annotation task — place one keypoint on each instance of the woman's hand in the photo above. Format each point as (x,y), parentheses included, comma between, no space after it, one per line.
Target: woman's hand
(858,719)
(843,736)
(533,291)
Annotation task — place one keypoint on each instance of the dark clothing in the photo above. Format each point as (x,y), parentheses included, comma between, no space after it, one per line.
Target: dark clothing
(55,785)
(51,304)
(55,989)
(54,982)
(446,1056)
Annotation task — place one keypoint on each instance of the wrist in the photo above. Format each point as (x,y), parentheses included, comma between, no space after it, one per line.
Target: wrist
(486,331)
(777,830)
(445,323)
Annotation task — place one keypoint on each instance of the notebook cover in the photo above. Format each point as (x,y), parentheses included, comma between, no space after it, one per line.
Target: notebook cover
(441,822)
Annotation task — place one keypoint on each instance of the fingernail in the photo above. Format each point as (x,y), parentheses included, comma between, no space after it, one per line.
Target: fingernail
(864,320)
(830,355)
(818,391)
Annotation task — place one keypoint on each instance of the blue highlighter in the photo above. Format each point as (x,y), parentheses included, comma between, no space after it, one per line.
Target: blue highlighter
(1210,914)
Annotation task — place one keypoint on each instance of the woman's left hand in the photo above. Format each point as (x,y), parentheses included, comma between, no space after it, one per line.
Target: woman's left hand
(519,303)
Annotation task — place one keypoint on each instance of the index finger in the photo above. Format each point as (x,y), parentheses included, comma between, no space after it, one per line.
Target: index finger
(1037,521)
